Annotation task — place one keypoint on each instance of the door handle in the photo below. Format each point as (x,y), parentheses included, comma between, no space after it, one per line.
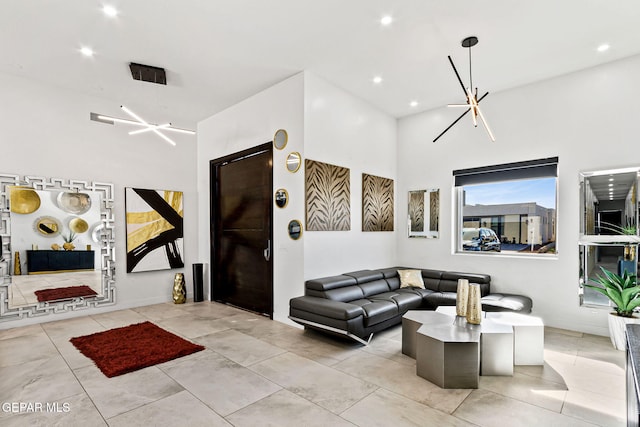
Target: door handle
(267,251)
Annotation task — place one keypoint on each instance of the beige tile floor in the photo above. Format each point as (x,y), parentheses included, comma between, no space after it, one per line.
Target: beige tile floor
(257,372)
(22,288)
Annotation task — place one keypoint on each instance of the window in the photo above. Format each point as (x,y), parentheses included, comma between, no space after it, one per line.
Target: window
(508,208)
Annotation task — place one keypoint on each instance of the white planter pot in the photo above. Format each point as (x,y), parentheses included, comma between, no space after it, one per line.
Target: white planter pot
(617,330)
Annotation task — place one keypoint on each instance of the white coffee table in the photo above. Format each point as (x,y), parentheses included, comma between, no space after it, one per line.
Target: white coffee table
(528,336)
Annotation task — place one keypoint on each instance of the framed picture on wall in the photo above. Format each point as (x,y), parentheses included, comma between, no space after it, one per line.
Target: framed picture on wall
(154,229)
(327,197)
(377,203)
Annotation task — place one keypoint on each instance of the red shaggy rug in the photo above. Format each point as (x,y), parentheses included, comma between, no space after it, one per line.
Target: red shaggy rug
(121,350)
(64,293)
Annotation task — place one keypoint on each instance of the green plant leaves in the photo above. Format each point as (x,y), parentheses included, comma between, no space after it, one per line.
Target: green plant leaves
(623,290)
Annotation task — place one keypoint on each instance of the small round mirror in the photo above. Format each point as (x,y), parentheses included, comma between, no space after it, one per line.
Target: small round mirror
(78,225)
(281,198)
(295,229)
(48,226)
(280,139)
(293,161)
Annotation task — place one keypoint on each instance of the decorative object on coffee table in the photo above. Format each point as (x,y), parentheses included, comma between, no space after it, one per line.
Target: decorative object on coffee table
(179,289)
(462,297)
(474,305)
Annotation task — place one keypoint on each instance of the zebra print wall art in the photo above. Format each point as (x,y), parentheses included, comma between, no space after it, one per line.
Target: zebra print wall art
(416,210)
(377,203)
(434,210)
(327,197)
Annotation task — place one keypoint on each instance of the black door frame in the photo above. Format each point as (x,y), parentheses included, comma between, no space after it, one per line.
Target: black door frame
(214,218)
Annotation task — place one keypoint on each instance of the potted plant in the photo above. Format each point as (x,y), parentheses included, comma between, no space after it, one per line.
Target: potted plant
(68,241)
(624,292)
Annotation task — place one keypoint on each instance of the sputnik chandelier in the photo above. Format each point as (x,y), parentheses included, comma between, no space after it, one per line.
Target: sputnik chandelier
(470,94)
(138,121)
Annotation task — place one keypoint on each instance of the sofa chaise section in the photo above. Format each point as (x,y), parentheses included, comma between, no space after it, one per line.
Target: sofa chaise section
(360,303)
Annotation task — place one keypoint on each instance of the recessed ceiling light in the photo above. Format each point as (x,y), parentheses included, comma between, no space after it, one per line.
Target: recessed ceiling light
(109,10)
(377,80)
(611,179)
(603,47)
(386,20)
(413,104)
(86,51)
(610,185)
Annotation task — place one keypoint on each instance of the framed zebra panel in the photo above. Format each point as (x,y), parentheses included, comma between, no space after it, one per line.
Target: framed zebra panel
(416,211)
(377,203)
(327,197)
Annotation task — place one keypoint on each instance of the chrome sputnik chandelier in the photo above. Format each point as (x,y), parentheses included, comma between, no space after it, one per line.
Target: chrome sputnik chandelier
(470,94)
(138,121)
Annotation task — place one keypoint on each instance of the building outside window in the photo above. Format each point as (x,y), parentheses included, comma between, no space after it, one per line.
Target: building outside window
(508,208)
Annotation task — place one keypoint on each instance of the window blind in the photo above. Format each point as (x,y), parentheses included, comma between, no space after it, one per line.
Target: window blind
(531,169)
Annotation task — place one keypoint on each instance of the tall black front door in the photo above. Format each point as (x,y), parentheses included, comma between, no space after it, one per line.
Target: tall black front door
(241,243)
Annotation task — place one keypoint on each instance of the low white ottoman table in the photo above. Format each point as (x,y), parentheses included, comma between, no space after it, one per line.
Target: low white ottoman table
(528,336)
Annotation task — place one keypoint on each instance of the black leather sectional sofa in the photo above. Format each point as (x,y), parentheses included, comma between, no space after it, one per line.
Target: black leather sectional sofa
(360,303)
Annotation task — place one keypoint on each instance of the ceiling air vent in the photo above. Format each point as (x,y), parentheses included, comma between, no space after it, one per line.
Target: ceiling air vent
(147,73)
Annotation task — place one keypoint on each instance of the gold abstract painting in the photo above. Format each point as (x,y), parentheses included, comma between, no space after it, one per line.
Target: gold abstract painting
(154,229)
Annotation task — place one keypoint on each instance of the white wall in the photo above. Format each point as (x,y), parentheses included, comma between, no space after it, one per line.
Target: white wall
(343,130)
(325,124)
(587,119)
(46,131)
(247,124)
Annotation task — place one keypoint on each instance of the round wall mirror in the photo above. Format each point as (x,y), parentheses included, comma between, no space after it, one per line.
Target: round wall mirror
(48,226)
(281,197)
(280,139)
(23,200)
(78,225)
(295,229)
(293,161)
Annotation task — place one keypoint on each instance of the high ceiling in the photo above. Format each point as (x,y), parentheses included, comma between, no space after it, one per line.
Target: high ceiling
(218,52)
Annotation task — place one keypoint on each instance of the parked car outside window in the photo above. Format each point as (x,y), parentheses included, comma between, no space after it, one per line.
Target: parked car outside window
(480,239)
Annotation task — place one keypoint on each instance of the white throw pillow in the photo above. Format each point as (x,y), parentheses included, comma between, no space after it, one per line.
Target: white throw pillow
(411,278)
